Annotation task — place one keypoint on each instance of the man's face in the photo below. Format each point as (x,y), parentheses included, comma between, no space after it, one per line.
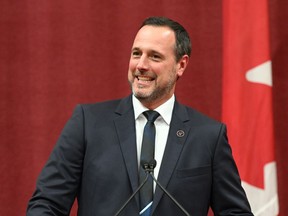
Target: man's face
(153,69)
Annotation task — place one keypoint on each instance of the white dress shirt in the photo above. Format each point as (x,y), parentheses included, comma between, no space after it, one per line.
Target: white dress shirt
(162,124)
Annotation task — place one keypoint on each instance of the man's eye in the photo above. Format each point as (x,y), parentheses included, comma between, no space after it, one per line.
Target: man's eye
(155,57)
(136,53)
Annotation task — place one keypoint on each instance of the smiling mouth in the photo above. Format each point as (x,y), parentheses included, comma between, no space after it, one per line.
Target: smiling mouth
(144,78)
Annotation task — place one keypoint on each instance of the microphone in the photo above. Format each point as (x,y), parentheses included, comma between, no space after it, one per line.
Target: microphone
(149,167)
(136,191)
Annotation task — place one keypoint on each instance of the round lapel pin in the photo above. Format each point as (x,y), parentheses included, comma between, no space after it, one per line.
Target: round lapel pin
(180,133)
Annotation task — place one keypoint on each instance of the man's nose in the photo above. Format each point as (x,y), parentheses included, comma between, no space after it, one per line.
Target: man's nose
(143,63)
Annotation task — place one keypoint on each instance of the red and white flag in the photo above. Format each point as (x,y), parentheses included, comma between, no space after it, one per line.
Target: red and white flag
(247,100)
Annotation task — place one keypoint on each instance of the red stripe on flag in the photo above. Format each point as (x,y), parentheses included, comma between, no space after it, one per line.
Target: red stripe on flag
(247,104)
(247,107)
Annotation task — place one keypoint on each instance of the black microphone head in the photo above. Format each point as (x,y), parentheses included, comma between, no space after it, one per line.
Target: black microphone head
(152,164)
(148,167)
(144,164)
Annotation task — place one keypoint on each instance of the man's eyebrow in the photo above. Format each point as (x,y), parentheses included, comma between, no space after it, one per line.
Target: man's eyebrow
(135,48)
(149,51)
(157,53)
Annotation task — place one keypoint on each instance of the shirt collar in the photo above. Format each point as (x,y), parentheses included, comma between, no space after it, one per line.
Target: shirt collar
(165,110)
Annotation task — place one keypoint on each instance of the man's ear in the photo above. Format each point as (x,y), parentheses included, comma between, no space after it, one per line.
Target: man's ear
(181,65)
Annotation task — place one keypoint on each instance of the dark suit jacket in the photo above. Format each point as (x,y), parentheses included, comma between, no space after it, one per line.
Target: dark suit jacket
(95,160)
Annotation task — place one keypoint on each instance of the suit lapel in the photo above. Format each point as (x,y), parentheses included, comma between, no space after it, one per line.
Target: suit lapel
(176,138)
(125,127)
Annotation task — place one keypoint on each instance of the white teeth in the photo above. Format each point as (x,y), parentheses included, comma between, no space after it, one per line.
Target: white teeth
(144,78)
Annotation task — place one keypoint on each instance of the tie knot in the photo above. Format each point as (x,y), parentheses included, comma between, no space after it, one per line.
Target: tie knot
(151,115)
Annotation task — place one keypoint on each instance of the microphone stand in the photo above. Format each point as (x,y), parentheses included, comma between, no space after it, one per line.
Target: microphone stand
(149,170)
(131,197)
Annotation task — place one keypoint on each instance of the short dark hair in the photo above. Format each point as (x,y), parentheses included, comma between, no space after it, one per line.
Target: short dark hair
(183,43)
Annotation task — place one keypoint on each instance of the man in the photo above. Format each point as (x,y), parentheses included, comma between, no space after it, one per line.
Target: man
(97,157)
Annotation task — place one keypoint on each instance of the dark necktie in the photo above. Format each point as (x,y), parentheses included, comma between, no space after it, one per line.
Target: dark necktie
(147,155)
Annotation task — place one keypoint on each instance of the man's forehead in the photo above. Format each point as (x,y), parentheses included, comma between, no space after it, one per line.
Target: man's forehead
(155,35)
(161,31)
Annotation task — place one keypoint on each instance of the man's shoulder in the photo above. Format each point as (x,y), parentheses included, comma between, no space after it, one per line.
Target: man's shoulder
(105,107)
(104,111)
(106,104)
(199,116)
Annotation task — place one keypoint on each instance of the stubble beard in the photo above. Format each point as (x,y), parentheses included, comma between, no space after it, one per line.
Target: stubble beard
(155,94)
